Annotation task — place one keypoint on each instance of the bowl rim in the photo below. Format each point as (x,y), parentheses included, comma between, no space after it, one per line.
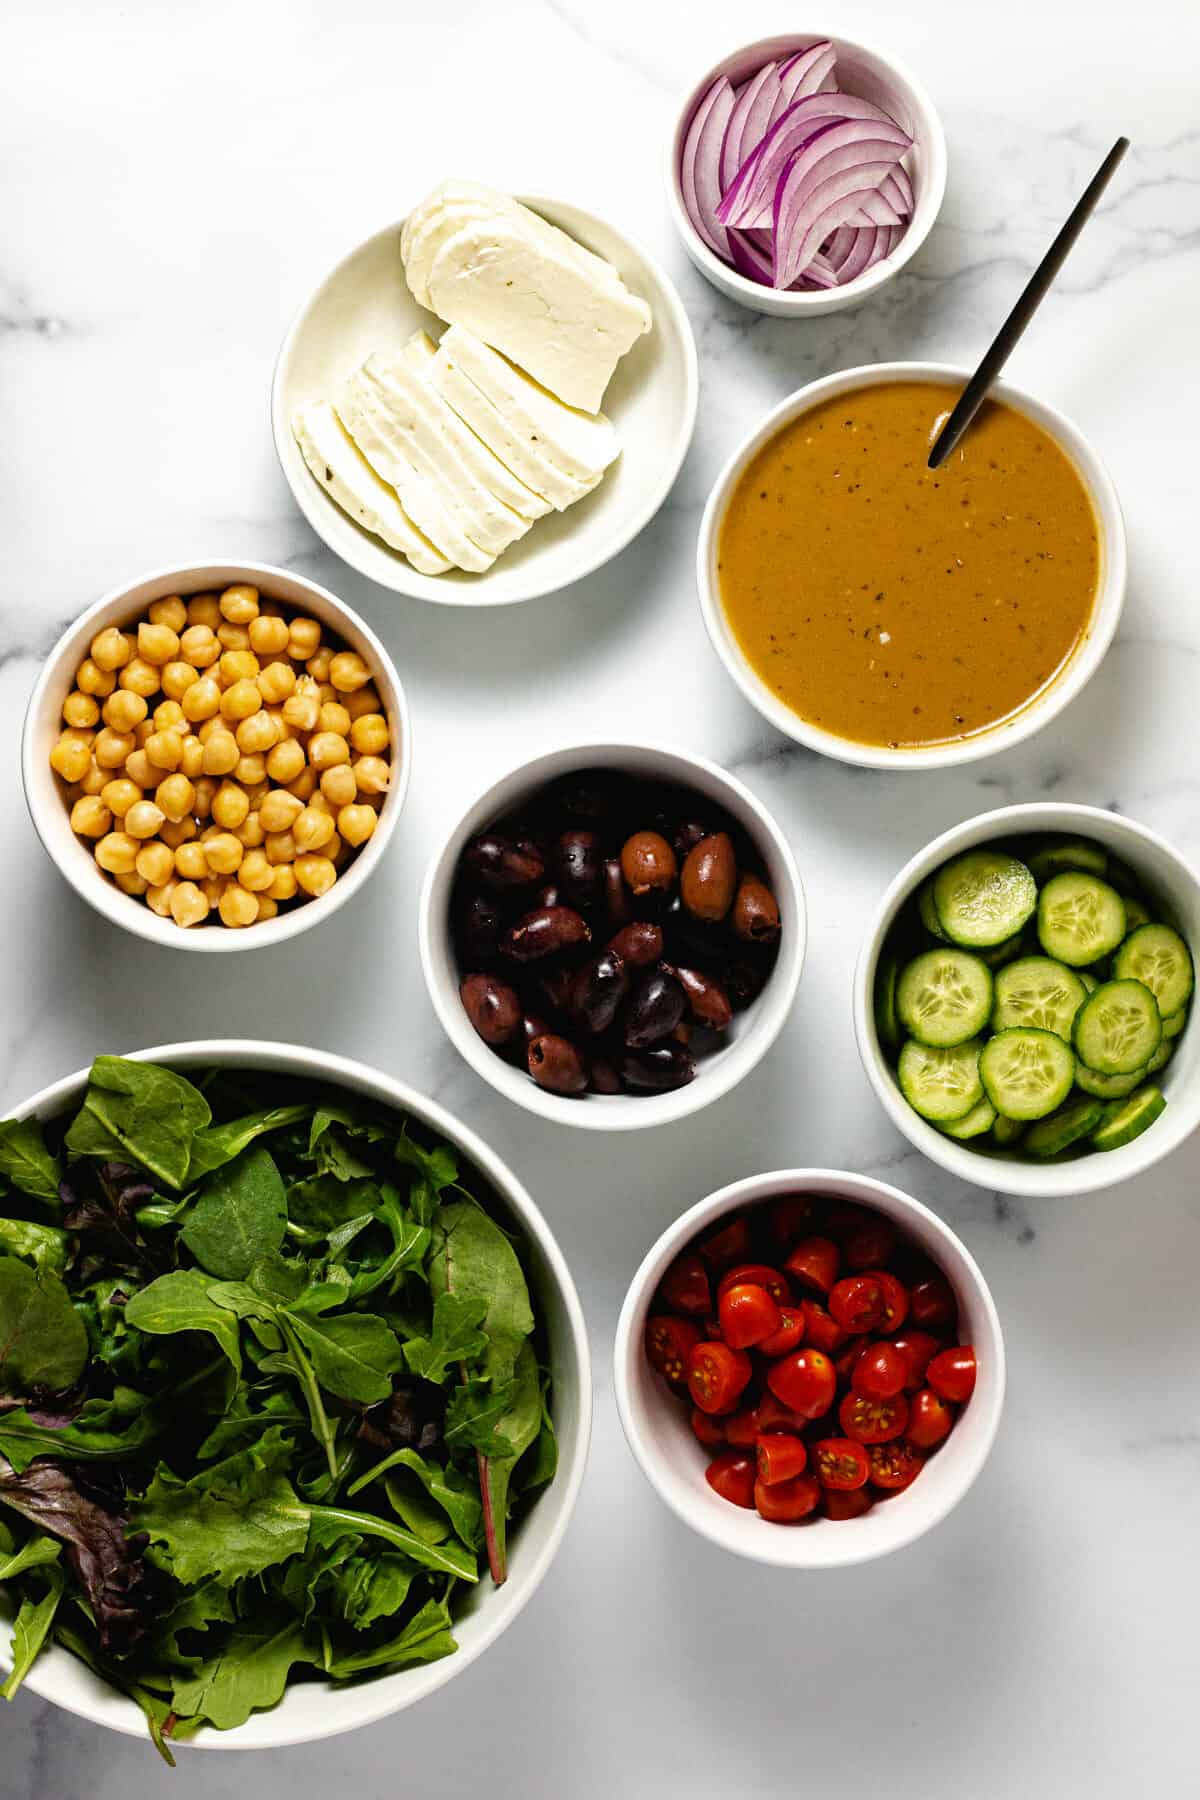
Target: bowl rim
(472,592)
(1007,1175)
(348,1072)
(619,1112)
(801,303)
(127,910)
(785,1549)
(1045,706)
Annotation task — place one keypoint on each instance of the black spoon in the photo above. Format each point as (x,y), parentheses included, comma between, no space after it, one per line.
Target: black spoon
(1035,292)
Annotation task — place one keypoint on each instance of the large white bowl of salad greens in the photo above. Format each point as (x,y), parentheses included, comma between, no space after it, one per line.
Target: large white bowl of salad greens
(294,1395)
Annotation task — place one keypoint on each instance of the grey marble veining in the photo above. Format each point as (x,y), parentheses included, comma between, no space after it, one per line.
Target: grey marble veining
(176,180)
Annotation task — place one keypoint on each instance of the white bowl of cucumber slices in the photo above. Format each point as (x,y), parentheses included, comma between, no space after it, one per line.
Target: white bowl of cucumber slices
(1023,996)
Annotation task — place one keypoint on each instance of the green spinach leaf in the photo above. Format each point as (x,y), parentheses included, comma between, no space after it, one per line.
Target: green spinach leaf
(239,1217)
(141,1114)
(456,1497)
(27,1163)
(519,1425)
(250,1671)
(31,1629)
(471,1257)
(218,1144)
(45,1246)
(473,1416)
(353,1355)
(43,1342)
(181,1302)
(426,1637)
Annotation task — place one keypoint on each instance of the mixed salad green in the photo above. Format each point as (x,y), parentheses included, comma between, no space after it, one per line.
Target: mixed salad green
(269,1390)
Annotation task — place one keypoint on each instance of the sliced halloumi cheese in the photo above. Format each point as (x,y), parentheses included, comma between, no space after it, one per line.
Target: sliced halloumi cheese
(458,203)
(371,425)
(419,415)
(580,444)
(504,482)
(348,478)
(556,320)
(513,442)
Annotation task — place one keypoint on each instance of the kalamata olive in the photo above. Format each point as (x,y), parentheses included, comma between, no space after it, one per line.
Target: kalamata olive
(616,894)
(648,862)
(664,1066)
(639,943)
(709,874)
(534,1025)
(547,895)
(554,986)
(691,940)
(744,980)
(708,1003)
(755,913)
(492,1007)
(687,834)
(577,864)
(682,1033)
(478,924)
(556,1065)
(655,1008)
(603,1077)
(503,863)
(544,932)
(598,989)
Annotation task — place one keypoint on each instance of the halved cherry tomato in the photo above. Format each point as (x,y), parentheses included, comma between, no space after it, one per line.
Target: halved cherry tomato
(821,1331)
(873,1421)
(857,1303)
(742,1427)
(929,1419)
(773,1415)
(951,1373)
(709,1431)
(784,1502)
(894,1465)
(805,1381)
(845,1216)
(840,1463)
(931,1301)
(790,1217)
(880,1372)
(716,1376)
(813,1264)
(685,1286)
(747,1314)
(762,1275)
(729,1244)
(789,1336)
(845,1503)
(916,1347)
(844,1364)
(779,1457)
(895,1298)
(669,1343)
(732,1476)
(869,1245)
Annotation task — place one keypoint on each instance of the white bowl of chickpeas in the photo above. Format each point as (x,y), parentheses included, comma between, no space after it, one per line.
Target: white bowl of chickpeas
(211,749)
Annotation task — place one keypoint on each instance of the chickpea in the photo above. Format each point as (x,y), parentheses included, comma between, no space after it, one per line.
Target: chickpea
(279,810)
(158,896)
(117,853)
(320,804)
(213,886)
(139,768)
(363,700)
(327,694)
(348,671)
(175,797)
(233,637)
(283,730)
(143,819)
(304,637)
(372,775)
(170,611)
(230,806)
(338,785)
(92,679)
(112,747)
(94,778)
(188,905)
(165,749)
(204,609)
(80,710)
(168,715)
(327,748)
(221,753)
(304,786)
(369,734)
(90,817)
(120,794)
(283,883)
(191,861)
(301,710)
(256,734)
(178,831)
(255,873)
(202,700)
(267,908)
(279,846)
(158,644)
(250,832)
(111,649)
(239,604)
(142,731)
(251,768)
(268,636)
(155,863)
(71,757)
(191,761)
(285,761)
(237,665)
(240,700)
(224,853)
(276,682)
(177,678)
(315,874)
(333,717)
(237,906)
(312,829)
(206,789)
(132,883)
(356,823)
(124,711)
(140,677)
(198,646)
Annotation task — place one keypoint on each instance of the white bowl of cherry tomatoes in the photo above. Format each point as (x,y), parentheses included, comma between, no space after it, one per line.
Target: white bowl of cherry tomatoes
(815,1350)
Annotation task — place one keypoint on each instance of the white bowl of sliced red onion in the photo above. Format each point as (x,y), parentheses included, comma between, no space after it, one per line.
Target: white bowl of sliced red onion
(804,172)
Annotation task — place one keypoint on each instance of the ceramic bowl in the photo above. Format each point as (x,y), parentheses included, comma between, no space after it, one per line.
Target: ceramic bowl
(1169,881)
(872,75)
(1045,706)
(44,793)
(364,305)
(307,1711)
(656,1421)
(752,1032)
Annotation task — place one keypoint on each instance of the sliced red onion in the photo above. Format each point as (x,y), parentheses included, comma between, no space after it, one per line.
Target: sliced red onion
(700,164)
(748,121)
(748,199)
(749,258)
(898,188)
(844,145)
(861,253)
(820,273)
(801,227)
(806,73)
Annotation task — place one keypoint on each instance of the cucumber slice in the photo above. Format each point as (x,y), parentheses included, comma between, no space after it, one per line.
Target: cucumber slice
(1118,1028)
(1038,991)
(1174,1022)
(983,897)
(1080,919)
(1050,859)
(1091,982)
(886,1022)
(928,911)
(1136,913)
(941,1085)
(997,955)
(1026,1072)
(1108,1087)
(1161,1057)
(981,1118)
(1007,1132)
(1077,1119)
(1158,958)
(944,997)
(1125,1120)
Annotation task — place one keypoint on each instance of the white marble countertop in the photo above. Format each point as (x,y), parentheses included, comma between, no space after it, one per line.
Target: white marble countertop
(176,180)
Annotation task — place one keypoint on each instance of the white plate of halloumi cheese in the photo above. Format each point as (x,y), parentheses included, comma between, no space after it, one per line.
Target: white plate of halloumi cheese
(486,402)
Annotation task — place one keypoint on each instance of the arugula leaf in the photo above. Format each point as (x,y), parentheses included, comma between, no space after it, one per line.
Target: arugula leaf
(437,1170)
(27,1163)
(474,1414)
(426,1637)
(45,1246)
(200,1607)
(31,1555)
(456,1498)
(365,1589)
(217,1144)
(246,1418)
(30,1630)
(471,1257)
(352,1355)
(181,1302)
(239,1217)
(410,1242)
(229,1522)
(330,1522)
(520,1425)
(455,1337)
(250,1671)
(43,1342)
(139,1113)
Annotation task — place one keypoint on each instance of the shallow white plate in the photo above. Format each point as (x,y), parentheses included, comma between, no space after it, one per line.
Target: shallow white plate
(365,305)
